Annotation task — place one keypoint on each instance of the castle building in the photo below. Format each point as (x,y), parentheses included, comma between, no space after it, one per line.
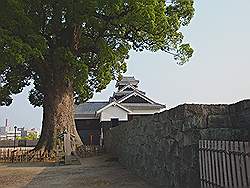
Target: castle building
(127,103)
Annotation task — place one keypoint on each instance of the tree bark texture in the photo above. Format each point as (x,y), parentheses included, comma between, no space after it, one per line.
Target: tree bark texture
(58,119)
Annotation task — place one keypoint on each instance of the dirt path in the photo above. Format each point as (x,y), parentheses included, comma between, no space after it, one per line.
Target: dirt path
(101,172)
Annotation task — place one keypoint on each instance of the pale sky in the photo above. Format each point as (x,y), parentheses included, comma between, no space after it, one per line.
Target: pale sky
(219,71)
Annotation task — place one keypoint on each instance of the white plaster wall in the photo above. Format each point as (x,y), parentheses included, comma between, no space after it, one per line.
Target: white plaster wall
(114,112)
(144,111)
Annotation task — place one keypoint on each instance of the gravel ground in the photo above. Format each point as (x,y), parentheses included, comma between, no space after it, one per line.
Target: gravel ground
(101,172)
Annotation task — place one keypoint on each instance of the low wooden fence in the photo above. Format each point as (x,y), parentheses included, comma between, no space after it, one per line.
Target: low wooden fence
(11,155)
(17,143)
(85,151)
(224,164)
(22,155)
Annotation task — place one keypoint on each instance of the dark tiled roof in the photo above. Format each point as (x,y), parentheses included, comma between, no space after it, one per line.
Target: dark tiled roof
(142,106)
(123,93)
(126,80)
(89,107)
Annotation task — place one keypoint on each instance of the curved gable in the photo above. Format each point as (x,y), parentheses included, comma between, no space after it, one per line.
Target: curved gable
(135,99)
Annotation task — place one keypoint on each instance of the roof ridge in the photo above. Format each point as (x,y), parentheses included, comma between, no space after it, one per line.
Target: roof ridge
(95,102)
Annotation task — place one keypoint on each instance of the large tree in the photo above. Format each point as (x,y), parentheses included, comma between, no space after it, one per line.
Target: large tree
(69,49)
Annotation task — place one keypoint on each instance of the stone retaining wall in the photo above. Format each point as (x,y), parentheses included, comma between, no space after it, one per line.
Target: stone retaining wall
(163,148)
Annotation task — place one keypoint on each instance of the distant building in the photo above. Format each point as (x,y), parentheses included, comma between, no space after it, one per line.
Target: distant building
(8,132)
(127,103)
(2,130)
(23,131)
(11,134)
(32,131)
(3,137)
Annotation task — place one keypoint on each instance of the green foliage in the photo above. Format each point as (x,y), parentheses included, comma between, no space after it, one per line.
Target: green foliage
(19,138)
(83,43)
(30,136)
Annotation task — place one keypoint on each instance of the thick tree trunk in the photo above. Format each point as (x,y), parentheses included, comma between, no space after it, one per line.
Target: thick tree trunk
(58,119)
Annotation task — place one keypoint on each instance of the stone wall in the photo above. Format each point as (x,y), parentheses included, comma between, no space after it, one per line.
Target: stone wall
(163,148)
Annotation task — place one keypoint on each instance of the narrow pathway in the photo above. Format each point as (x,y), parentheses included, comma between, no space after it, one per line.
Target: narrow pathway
(96,172)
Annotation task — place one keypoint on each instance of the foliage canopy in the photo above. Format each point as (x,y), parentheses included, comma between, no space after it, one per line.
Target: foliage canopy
(82,42)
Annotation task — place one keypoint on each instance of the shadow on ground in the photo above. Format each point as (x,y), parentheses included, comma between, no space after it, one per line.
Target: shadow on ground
(102,172)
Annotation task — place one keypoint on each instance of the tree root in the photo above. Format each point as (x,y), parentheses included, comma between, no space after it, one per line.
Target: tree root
(42,154)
